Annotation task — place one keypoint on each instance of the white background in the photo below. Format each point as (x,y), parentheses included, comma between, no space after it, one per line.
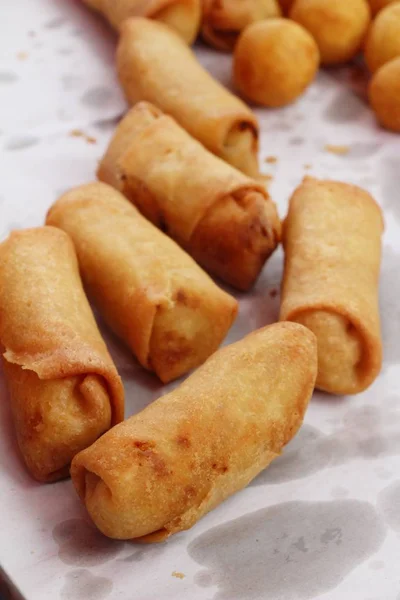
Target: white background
(324,521)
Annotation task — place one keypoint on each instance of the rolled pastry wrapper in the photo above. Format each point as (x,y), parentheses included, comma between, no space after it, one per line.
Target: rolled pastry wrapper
(185,90)
(64,388)
(224,219)
(223,20)
(183,16)
(332,241)
(163,469)
(153,295)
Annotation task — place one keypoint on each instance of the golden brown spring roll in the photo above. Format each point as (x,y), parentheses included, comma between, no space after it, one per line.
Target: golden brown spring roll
(65,390)
(223,20)
(184,89)
(332,241)
(181,15)
(152,294)
(163,469)
(225,220)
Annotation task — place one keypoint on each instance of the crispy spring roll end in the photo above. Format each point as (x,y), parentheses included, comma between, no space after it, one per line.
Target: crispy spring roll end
(341,361)
(243,230)
(56,419)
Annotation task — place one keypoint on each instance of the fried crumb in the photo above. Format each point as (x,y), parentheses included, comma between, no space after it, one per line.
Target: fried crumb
(271,160)
(308,166)
(273,293)
(339,150)
(79,133)
(22,55)
(178,575)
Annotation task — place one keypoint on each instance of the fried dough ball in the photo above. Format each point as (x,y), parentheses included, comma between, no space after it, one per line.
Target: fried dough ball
(274,61)
(384,95)
(338,27)
(383,40)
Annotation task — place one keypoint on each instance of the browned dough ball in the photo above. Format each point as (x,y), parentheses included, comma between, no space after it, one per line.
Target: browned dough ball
(377,5)
(383,40)
(384,95)
(274,61)
(338,26)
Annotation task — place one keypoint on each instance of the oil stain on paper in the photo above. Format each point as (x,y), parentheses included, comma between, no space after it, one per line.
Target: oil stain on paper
(80,584)
(81,544)
(291,551)
(389,505)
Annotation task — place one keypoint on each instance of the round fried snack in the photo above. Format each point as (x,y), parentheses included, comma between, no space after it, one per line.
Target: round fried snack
(338,27)
(384,95)
(377,5)
(223,20)
(264,67)
(383,41)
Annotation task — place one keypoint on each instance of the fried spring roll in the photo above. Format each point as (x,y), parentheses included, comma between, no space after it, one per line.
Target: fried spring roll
(223,20)
(154,296)
(65,390)
(163,469)
(225,220)
(181,15)
(332,241)
(184,89)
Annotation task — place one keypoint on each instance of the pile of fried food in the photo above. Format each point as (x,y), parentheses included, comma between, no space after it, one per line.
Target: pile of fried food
(179,192)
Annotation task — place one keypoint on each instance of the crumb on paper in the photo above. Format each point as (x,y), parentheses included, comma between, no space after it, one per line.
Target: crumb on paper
(273,293)
(178,575)
(271,160)
(22,55)
(308,166)
(79,133)
(339,150)
(32,33)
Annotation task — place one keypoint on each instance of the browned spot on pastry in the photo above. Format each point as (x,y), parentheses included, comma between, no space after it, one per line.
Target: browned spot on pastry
(190,491)
(183,298)
(183,441)
(157,463)
(143,446)
(35,423)
(219,468)
(175,347)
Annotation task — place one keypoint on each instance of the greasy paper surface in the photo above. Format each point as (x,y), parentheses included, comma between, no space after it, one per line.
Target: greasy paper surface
(323,521)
